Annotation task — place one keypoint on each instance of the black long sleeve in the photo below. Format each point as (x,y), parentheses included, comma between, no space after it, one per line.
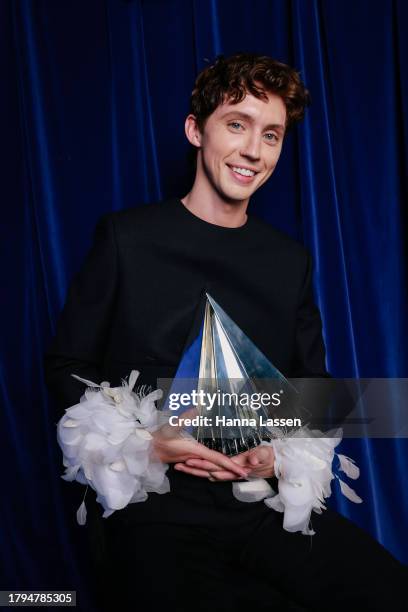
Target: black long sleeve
(309,354)
(84,324)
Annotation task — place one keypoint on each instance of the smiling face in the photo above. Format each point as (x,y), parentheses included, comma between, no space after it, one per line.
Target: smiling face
(239,147)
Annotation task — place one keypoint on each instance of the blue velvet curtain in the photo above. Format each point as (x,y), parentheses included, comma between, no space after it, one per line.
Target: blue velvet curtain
(92,119)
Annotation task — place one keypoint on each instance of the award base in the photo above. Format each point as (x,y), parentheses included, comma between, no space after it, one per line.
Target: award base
(234,446)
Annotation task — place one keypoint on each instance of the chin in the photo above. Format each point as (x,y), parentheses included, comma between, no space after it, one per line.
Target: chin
(237,195)
(242,196)
(234,198)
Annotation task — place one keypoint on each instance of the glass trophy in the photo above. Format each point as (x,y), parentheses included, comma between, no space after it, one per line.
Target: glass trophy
(237,397)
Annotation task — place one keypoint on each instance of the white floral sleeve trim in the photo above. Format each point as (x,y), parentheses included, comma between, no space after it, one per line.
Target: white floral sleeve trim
(107,443)
(303,466)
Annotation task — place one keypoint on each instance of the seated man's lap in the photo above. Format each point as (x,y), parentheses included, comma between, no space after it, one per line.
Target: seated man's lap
(339,565)
(204,545)
(182,568)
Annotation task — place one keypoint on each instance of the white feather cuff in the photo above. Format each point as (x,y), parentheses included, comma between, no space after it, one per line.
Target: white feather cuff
(303,466)
(107,444)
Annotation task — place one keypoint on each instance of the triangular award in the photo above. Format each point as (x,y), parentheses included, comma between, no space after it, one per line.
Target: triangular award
(238,398)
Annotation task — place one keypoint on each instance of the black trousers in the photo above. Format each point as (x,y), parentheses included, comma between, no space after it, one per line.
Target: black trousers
(198,548)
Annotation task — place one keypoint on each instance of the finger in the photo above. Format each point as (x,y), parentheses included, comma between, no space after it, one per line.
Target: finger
(241,459)
(225,475)
(203,464)
(264,455)
(223,461)
(219,460)
(216,475)
(253,460)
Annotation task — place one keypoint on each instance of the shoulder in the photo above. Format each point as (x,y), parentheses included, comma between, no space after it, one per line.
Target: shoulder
(132,218)
(138,222)
(276,243)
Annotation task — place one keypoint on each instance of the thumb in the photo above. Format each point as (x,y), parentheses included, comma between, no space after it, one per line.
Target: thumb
(259,455)
(253,459)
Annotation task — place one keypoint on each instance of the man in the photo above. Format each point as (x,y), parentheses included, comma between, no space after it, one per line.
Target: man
(133,306)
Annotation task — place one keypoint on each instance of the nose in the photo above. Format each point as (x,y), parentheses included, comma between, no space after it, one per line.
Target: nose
(251,147)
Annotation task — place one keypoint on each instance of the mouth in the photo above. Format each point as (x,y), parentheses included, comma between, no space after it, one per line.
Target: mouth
(242,175)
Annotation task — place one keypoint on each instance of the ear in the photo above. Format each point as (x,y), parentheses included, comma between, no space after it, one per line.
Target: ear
(192,131)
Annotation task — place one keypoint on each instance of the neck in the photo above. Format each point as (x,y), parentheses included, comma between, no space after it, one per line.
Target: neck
(210,207)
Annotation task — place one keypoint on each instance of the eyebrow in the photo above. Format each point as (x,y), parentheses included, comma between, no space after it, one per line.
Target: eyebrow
(271,126)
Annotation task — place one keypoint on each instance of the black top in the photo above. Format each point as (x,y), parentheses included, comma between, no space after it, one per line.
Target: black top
(133,304)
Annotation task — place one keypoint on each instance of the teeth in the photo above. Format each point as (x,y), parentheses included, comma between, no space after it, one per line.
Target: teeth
(243,171)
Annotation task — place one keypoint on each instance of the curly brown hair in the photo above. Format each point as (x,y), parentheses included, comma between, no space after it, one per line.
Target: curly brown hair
(231,78)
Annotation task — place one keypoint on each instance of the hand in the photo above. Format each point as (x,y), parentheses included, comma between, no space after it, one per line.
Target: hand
(171,447)
(259,462)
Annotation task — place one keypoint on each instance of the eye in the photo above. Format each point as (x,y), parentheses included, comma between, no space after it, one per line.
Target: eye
(235,125)
(271,137)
